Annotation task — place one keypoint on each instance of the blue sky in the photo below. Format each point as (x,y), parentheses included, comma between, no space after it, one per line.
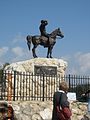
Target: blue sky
(18,18)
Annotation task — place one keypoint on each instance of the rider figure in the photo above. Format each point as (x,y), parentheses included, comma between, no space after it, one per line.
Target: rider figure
(43,29)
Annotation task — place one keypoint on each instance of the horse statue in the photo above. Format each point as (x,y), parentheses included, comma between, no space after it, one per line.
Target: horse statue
(42,40)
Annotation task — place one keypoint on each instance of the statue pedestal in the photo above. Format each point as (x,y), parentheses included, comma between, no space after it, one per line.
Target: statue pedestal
(26,81)
(53,66)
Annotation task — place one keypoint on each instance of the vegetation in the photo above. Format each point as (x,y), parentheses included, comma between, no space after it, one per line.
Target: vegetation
(79,90)
(1,70)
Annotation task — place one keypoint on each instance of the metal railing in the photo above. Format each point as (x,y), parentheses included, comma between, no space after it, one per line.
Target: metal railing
(25,86)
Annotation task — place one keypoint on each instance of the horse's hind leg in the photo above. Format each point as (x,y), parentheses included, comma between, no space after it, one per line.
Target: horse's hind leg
(33,51)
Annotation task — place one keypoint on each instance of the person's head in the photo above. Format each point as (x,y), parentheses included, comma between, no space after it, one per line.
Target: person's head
(64,86)
(45,22)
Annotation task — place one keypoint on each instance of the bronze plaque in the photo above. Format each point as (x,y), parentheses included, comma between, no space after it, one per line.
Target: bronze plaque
(46,70)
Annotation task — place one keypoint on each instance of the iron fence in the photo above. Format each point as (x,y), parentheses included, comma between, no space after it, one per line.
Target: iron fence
(25,86)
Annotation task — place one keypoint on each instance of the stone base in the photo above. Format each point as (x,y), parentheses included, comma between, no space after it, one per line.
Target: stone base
(28,65)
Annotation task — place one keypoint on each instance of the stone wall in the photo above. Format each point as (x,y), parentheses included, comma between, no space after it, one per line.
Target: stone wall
(38,110)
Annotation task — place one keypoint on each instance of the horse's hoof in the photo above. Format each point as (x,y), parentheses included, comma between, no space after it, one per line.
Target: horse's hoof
(35,56)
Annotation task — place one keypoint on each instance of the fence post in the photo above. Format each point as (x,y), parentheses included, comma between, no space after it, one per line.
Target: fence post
(9,90)
(43,87)
(14,85)
(69,83)
(2,85)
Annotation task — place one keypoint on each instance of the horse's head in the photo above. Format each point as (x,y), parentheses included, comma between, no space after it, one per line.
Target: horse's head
(59,33)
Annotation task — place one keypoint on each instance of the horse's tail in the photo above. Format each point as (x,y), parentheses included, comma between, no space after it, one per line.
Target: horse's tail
(29,40)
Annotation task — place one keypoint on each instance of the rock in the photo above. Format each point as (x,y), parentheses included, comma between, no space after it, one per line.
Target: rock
(38,110)
(36,117)
(46,114)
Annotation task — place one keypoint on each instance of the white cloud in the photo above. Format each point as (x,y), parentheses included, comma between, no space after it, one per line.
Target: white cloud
(18,38)
(84,61)
(18,51)
(20,54)
(3,51)
(79,63)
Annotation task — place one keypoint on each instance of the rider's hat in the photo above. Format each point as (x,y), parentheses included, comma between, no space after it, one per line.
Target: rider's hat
(44,21)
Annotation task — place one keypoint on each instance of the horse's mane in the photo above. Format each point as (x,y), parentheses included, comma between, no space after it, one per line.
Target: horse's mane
(53,33)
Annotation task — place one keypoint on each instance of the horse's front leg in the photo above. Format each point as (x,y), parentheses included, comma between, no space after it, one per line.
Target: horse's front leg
(48,53)
(51,51)
(33,51)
